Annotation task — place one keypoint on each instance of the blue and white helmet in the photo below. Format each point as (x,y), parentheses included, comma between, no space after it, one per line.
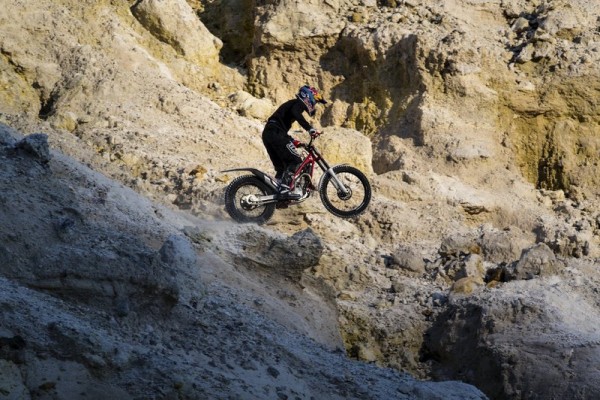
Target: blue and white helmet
(310,97)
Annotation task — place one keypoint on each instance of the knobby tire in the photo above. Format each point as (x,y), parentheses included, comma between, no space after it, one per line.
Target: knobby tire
(243,186)
(356,181)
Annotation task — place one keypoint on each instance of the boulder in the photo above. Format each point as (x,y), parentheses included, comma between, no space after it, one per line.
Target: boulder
(466,285)
(36,145)
(286,255)
(347,146)
(503,246)
(175,23)
(250,106)
(407,258)
(527,337)
(536,261)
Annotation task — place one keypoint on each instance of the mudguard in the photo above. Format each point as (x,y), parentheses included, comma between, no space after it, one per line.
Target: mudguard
(259,174)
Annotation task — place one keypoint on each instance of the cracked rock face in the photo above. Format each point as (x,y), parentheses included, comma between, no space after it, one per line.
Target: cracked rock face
(477,127)
(176,24)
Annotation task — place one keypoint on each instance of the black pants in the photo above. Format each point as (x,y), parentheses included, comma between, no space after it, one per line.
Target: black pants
(282,152)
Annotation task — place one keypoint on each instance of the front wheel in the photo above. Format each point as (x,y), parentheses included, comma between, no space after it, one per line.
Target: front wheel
(239,200)
(351,198)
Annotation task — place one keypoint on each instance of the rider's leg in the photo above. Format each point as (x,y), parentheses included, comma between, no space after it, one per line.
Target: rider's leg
(271,139)
(284,156)
(291,159)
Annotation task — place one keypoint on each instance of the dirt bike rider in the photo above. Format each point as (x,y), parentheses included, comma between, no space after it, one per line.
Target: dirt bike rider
(280,146)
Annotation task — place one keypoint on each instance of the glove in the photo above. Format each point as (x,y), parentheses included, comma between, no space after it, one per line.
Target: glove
(297,143)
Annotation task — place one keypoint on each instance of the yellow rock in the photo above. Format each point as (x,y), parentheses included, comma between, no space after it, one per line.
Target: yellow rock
(466,285)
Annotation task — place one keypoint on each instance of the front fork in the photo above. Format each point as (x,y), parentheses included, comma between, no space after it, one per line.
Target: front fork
(342,190)
(339,185)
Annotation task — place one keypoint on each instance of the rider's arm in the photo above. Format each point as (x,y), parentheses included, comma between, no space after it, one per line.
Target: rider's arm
(297,110)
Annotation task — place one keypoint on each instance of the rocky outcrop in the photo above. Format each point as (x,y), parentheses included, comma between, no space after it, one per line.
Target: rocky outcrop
(346,146)
(176,24)
(35,145)
(249,106)
(492,332)
(475,125)
(287,256)
(536,261)
(84,256)
(233,22)
(99,285)
(420,72)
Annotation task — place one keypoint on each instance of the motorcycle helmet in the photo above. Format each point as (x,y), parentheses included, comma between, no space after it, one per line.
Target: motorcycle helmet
(310,97)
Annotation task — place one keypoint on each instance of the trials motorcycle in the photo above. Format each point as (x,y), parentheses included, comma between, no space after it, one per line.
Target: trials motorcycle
(344,190)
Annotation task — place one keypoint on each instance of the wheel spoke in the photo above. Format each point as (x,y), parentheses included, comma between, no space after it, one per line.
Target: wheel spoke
(354,195)
(349,200)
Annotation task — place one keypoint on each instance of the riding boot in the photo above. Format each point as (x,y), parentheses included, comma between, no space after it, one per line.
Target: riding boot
(285,191)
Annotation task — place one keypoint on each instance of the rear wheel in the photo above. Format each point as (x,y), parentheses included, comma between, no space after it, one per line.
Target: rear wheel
(350,200)
(240,197)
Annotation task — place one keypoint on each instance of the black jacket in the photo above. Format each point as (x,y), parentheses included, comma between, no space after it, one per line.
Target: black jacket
(289,112)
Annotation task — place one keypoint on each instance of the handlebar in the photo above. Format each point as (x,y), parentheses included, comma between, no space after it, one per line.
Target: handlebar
(313,136)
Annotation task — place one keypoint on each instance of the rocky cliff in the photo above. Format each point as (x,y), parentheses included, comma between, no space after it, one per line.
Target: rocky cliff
(476,261)
(108,295)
